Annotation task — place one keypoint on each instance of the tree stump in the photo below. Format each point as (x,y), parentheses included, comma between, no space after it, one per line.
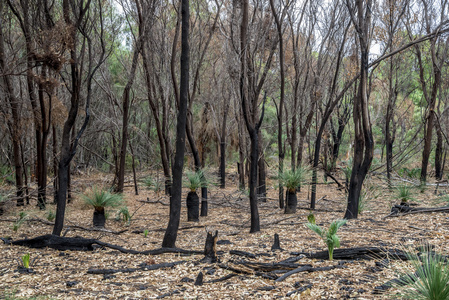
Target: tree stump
(210,252)
(291,201)
(276,245)
(193,207)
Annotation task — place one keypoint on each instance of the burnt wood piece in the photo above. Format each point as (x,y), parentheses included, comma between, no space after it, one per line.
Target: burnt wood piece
(242,253)
(401,210)
(306,268)
(268,267)
(248,272)
(300,290)
(83,244)
(58,243)
(177,291)
(358,253)
(210,251)
(143,267)
(222,278)
(199,279)
(276,244)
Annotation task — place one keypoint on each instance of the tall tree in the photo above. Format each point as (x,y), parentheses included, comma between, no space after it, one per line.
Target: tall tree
(361,14)
(77,18)
(171,232)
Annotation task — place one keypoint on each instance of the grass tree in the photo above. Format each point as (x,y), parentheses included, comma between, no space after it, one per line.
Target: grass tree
(404,194)
(329,236)
(426,277)
(99,199)
(292,180)
(195,180)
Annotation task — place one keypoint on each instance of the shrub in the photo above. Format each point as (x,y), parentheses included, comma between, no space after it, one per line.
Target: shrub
(99,199)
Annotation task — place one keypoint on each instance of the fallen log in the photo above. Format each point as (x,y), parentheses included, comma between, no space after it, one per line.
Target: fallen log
(222,278)
(268,267)
(306,268)
(248,272)
(402,210)
(83,244)
(143,267)
(358,253)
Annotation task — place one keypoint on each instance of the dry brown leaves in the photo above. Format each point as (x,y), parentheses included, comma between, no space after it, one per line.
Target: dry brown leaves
(63,275)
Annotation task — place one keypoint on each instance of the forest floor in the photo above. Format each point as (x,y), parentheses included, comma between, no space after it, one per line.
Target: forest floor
(63,275)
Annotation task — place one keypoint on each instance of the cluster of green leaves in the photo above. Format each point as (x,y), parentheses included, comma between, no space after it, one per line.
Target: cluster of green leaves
(153,184)
(404,193)
(330,237)
(22,217)
(414,173)
(429,277)
(51,215)
(124,215)
(100,198)
(292,179)
(198,179)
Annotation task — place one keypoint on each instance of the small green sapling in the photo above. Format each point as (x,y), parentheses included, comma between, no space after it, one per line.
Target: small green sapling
(329,236)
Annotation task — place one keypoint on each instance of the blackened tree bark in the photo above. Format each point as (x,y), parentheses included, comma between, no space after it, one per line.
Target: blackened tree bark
(68,150)
(14,124)
(363,143)
(175,199)
(125,108)
(222,168)
(280,108)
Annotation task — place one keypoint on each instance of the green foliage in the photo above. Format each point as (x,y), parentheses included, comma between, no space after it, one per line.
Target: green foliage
(145,233)
(311,218)
(293,179)
(50,215)
(6,174)
(102,198)
(26,261)
(404,193)
(199,179)
(428,278)
(329,236)
(124,215)
(414,173)
(19,221)
(153,184)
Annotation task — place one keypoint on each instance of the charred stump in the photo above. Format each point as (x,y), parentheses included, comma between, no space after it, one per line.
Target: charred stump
(99,218)
(193,207)
(276,244)
(291,201)
(210,252)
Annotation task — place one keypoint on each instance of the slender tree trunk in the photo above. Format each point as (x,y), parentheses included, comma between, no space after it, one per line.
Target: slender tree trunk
(14,126)
(364,143)
(126,107)
(175,199)
(222,169)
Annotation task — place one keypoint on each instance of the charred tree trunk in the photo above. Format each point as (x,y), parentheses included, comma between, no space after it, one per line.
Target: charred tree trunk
(439,153)
(222,169)
(193,207)
(14,125)
(364,143)
(262,185)
(126,107)
(175,199)
(291,201)
(99,218)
